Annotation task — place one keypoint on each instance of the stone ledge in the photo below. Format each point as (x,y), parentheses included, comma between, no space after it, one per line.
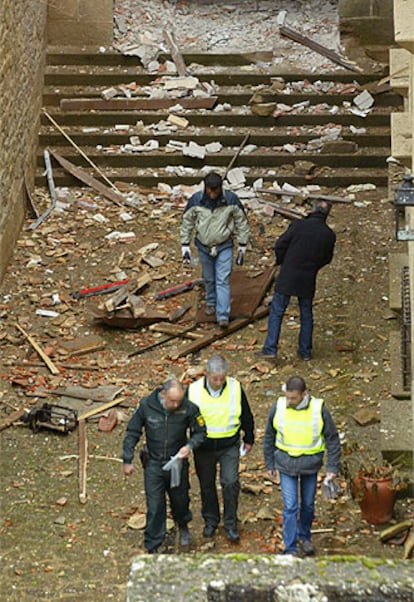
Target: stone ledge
(244,577)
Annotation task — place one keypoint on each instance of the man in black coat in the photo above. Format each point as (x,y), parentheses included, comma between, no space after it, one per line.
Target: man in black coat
(301,251)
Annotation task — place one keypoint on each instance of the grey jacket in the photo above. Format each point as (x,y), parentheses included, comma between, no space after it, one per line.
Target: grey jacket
(306,464)
(215,223)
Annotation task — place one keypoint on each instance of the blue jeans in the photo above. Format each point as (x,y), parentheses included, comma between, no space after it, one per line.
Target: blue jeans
(292,515)
(277,311)
(216,274)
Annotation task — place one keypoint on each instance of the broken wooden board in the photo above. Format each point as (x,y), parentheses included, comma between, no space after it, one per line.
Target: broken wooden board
(247,293)
(174,329)
(84,177)
(220,333)
(330,54)
(176,55)
(122,318)
(53,369)
(81,345)
(101,393)
(13,417)
(119,296)
(99,409)
(134,104)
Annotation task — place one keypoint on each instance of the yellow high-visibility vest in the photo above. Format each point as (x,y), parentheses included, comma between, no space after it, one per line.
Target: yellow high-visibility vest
(221,414)
(299,432)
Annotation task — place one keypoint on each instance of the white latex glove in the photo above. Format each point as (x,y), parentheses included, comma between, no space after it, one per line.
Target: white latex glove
(186,253)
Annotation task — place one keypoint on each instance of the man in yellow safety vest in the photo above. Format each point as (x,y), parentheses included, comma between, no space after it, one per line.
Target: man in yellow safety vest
(299,428)
(226,411)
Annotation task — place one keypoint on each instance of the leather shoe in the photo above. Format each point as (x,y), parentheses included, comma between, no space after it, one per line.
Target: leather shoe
(233,535)
(210,310)
(265,355)
(185,536)
(153,551)
(223,323)
(209,530)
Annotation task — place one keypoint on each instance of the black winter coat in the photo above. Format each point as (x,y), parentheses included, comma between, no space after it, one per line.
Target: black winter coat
(166,432)
(301,251)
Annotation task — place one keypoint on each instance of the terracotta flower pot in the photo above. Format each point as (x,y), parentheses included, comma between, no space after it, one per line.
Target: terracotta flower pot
(376,498)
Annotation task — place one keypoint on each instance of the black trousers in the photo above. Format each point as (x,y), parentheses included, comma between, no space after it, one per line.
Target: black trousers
(206,462)
(157,485)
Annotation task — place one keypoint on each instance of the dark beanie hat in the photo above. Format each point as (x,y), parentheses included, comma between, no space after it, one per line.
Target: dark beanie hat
(213,180)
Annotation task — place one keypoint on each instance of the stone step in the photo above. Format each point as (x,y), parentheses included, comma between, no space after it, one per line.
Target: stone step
(73,73)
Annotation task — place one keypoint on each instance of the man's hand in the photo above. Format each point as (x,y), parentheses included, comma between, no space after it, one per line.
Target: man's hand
(128,469)
(246,448)
(240,254)
(186,253)
(184,452)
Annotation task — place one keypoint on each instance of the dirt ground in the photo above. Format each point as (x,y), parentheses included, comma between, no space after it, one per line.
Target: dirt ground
(54,547)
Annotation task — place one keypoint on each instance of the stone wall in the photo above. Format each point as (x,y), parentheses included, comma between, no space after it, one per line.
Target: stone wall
(22,50)
(80,22)
(370,20)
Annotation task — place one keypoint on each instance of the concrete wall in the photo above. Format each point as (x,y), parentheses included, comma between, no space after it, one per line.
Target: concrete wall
(370,20)
(80,22)
(22,26)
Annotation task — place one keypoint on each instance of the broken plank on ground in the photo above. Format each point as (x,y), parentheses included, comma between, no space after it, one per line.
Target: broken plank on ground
(13,417)
(101,393)
(174,329)
(84,177)
(192,347)
(133,104)
(81,345)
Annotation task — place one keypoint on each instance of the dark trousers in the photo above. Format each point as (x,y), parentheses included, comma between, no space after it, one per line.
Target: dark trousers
(157,485)
(206,462)
(277,311)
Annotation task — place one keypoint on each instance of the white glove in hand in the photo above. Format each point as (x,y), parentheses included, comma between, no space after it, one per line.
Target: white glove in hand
(186,253)
(240,255)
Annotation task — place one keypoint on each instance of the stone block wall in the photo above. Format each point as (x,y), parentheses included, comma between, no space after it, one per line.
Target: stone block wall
(22,51)
(370,20)
(80,22)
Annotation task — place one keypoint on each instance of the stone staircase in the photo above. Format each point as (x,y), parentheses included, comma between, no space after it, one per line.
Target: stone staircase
(356,158)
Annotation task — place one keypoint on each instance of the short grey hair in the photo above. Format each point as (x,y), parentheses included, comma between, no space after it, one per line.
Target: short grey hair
(217,365)
(172,382)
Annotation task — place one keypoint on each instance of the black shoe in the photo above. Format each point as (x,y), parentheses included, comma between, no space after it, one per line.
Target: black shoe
(233,535)
(209,530)
(152,551)
(185,536)
(307,547)
(223,323)
(266,355)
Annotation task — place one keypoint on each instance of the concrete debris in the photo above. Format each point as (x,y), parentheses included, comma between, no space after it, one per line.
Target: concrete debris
(192,149)
(364,100)
(236,177)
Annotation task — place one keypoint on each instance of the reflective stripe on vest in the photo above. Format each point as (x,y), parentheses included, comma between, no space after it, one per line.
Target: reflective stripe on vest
(221,414)
(299,432)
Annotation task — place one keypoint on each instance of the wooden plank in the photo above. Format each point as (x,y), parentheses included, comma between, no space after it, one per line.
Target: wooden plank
(101,408)
(176,55)
(84,177)
(330,54)
(174,329)
(13,417)
(83,459)
(135,104)
(192,347)
(103,393)
(53,369)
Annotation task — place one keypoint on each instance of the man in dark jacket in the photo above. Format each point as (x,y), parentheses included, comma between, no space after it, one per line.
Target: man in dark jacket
(218,220)
(226,411)
(299,428)
(165,415)
(301,251)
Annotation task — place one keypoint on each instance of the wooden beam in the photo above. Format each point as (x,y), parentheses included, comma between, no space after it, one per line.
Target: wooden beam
(83,459)
(84,177)
(53,369)
(192,347)
(176,55)
(13,417)
(134,104)
(330,54)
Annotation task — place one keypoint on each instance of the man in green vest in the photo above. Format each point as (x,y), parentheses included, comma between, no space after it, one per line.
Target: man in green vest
(226,411)
(299,428)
